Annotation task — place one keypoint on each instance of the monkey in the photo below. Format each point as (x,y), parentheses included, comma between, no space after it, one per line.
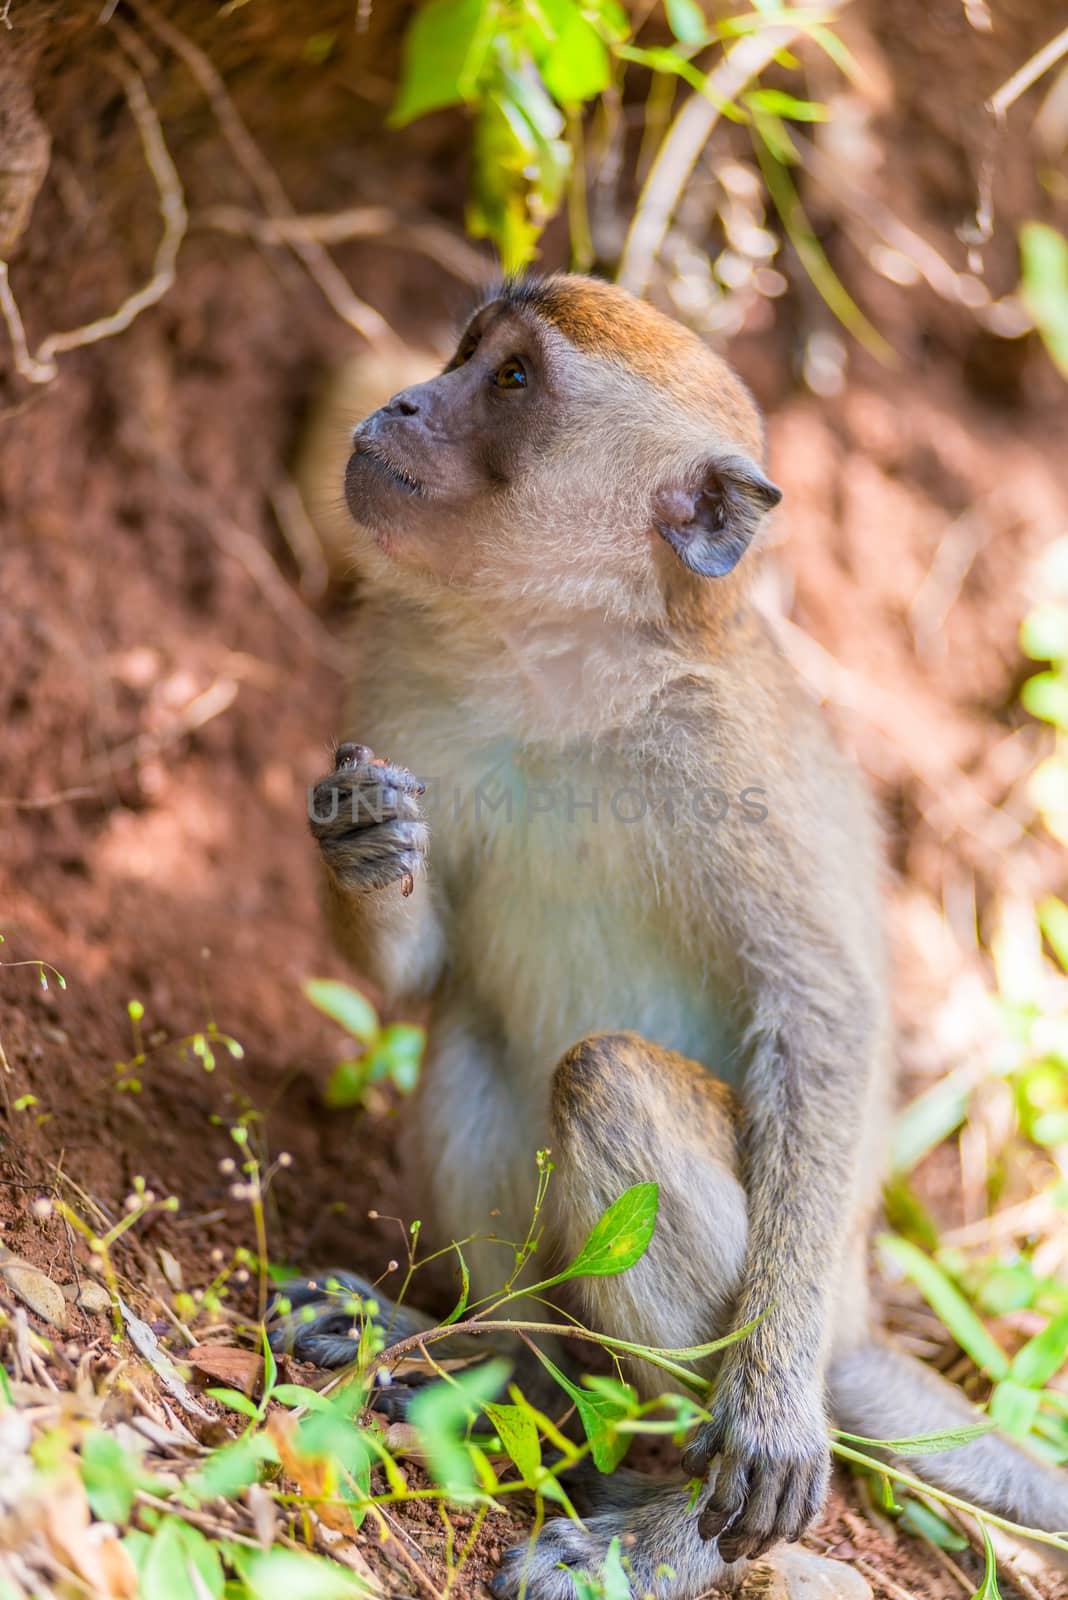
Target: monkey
(558,639)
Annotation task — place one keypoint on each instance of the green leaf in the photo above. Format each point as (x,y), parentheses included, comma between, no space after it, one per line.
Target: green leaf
(779,104)
(445,51)
(1014,1407)
(929,1119)
(465,1289)
(295,1394)
(443,1412)
(947,1302)
(1050,1127)
(988,1589)
(270,1368)
(111,1476)
(1044,287)
(574,63)
(620,1238)
(345,1005)
(1046,696)
(802,236)
(686,21)
(615,1584)
(1036,1362)
(518,1433)
(1053,920)
(236,1401)
(929,1525)
(278,1574)
(172,1550)
(397,1054)
(923,1444)
(232,1468)
(1044,633)
(347,1084)
(599,1413)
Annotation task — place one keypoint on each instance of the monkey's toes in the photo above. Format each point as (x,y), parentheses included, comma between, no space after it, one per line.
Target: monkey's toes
(322,1323)
(546,1570)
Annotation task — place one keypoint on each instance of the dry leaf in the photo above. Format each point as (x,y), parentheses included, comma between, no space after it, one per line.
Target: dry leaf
(91,1549)
(228,1365)
(315,1476)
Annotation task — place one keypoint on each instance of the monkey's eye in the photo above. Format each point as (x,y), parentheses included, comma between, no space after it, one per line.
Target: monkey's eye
(513,375)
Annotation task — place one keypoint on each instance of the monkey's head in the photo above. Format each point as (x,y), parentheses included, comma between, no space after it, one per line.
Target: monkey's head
(580,449)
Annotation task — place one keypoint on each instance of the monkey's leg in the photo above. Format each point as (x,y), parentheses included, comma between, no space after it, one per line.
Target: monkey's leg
(624,1111)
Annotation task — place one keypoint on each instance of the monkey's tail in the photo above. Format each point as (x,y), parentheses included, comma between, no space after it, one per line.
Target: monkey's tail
(881,1393)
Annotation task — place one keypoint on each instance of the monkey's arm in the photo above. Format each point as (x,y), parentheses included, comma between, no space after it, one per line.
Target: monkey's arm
(798,910)
(373,847)
(812,1046)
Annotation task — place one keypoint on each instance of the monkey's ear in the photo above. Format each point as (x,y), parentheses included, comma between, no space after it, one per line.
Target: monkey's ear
(710,527)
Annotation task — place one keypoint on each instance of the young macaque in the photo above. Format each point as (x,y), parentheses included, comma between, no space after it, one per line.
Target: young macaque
(646,911)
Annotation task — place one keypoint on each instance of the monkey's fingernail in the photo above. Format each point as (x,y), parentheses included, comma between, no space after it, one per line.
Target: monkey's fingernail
(731,1549)
(695,1461)
(407,885)
(352,755)
(711,1523)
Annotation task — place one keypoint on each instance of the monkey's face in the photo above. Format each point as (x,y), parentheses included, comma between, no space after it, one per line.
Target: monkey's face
(577,448)
(433,473)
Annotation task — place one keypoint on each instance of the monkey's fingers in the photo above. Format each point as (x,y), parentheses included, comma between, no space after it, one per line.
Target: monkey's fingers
(373,771)
(726,1502)
(352,755)
(702,1449)
(783,1498)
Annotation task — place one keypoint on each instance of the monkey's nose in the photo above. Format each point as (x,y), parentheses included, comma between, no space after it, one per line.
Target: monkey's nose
(402,405)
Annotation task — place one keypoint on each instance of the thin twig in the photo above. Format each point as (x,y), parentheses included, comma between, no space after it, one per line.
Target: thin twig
(935,270)
(42,367)
(354,222)
(683,143)
(247,550)
(872,1571)
(1022,79)
(204,707)
(303,541)
(266,182)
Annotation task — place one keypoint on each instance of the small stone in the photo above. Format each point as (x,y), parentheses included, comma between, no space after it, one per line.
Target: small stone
(35,1290)
(791,1573)
(94,1297)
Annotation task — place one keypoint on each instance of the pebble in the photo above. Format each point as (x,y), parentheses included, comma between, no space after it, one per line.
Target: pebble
(796,1574)
(94,1297)
(37,1291)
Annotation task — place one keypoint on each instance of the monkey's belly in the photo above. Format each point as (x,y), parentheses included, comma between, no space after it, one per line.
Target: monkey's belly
(550,969)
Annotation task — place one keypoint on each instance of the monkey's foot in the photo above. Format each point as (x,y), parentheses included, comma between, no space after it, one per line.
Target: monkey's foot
(327,1315)
(663,1555)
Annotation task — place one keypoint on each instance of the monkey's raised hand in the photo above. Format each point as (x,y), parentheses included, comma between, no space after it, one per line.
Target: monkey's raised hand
(365,818)
(774,1462)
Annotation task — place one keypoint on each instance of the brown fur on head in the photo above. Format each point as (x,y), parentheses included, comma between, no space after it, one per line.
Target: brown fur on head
(581,451)
(606,321)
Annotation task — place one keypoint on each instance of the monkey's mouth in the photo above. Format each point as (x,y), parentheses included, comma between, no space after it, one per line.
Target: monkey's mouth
(371,454)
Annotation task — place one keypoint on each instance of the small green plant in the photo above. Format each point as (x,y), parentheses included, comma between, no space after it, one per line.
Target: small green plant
(1044,637)
(1044,287)
(200,1046)
(534,73)
(389,1054)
